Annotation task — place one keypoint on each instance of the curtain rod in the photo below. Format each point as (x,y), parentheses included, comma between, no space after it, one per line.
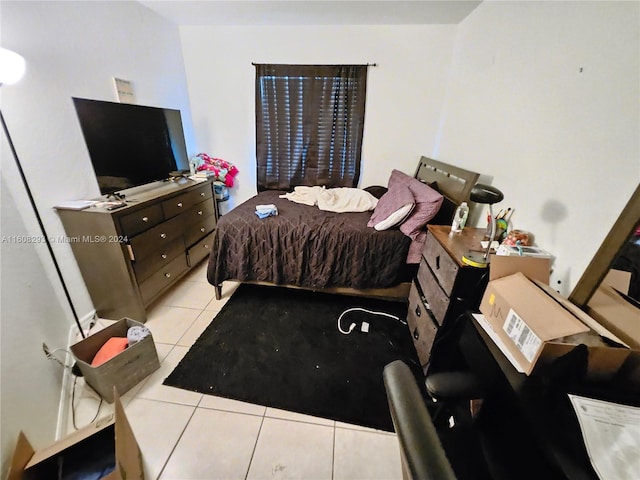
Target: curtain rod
(359,64)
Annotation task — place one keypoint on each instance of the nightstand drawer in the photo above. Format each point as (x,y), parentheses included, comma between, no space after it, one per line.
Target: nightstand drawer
(421,326)
(442,265)
(437,300)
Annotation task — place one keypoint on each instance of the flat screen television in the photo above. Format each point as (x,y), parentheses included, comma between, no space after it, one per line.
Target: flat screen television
(131,145)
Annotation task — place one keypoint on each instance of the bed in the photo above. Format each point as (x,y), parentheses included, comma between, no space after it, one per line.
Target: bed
(305,247)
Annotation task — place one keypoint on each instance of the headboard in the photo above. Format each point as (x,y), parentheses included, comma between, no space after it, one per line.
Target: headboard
(454,183)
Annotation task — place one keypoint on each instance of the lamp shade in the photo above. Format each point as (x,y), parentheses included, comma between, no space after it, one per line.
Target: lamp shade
(485,194)
(12,67)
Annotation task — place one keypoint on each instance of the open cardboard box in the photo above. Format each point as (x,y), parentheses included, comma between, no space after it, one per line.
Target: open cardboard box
(619,314)
(537,325)
(108,441)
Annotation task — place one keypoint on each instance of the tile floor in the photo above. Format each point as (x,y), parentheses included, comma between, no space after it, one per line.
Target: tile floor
(188,435)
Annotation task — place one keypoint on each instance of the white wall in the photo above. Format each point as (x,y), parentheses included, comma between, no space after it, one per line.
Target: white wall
(71,49)
(543,99)
(404,92)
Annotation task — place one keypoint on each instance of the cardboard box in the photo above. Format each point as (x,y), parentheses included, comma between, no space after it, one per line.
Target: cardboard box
(109,441)
(124,370)
(537,325)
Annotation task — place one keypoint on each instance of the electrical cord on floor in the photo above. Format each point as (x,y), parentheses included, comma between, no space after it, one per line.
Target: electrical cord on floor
(73,406)
(359,309)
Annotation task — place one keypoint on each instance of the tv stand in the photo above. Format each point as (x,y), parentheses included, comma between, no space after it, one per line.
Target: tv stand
(130,256)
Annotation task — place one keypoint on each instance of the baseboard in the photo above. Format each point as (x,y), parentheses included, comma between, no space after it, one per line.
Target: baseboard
(86,322)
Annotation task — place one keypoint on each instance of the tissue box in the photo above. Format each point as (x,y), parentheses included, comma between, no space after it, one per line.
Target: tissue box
(124,370)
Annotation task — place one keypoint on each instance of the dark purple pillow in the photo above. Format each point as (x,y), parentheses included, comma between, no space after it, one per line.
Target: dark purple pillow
(392,208)
(427,202)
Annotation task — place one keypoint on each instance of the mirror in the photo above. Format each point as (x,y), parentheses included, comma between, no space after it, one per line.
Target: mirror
(620,250)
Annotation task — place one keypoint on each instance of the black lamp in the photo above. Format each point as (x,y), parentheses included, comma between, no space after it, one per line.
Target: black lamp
(485,194)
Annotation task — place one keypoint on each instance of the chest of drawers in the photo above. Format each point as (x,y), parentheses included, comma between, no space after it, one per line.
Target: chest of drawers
(128,257)
(444,287)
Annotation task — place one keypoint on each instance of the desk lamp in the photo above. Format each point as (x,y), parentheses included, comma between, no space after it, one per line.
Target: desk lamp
(484,194)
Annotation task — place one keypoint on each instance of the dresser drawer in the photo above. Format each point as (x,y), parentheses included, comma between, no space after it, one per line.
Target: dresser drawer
(436,298)
(199,211)
(145,266)
(156,238)
(422,328)
(195,232)
(200,250)
(163,278)
(182,203)
(137,222)
(442,265)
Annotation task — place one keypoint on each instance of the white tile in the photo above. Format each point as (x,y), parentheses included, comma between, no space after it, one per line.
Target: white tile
(230,405)
(288,449)
(197,327)
(228,288)
(297,417)
(352,426)
(168,324)
(153,389)
(366,455)
(189,295)
(198,273)
(157,427)
(163,349)
(215,445)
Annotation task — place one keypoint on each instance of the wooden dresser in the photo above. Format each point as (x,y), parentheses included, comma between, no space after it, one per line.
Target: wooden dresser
(128,257)
(444,287)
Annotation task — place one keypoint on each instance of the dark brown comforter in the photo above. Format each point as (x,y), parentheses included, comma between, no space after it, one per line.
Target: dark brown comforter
(306,247)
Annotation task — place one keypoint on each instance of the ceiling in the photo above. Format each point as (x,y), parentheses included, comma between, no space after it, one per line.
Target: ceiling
(319,12)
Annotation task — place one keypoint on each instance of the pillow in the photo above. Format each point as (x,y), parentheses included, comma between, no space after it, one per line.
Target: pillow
(427,203)
(376,190)
(392,208)
(110,349)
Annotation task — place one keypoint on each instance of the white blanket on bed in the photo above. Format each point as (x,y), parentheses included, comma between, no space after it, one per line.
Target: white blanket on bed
(343,199)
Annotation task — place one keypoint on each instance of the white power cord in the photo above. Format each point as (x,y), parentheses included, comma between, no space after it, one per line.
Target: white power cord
(353,325)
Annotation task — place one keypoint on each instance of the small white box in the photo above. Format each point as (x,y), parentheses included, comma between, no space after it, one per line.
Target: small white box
(522,251)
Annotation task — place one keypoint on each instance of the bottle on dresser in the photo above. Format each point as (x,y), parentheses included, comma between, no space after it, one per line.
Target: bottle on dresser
(460,217)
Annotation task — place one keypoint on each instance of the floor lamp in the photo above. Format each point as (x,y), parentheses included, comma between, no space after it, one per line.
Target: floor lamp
(12,67)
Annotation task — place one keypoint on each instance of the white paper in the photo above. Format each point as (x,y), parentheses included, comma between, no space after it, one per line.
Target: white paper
(611,434)
(486,326)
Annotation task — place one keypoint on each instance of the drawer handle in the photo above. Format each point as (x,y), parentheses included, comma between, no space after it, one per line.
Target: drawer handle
(145,219)
(418,311)
(206,247)
(163,235)
(180,204)
(416,335)
(199,212)
(167,274)
(164,256)
(202,194)
(438,262)
(203,230)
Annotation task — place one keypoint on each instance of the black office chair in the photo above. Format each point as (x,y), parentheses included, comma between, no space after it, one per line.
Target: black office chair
(423,453)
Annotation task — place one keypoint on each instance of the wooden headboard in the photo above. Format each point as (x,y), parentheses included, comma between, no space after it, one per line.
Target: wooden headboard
(453,182)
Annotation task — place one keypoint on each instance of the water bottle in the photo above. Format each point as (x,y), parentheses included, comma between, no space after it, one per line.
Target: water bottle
(460,217)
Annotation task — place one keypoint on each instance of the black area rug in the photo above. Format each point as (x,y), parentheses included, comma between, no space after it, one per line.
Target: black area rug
(281,348)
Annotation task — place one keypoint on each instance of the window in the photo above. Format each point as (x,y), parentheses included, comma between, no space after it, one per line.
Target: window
(309,124)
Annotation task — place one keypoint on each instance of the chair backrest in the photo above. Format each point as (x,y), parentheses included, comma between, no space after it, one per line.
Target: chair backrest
(423,456)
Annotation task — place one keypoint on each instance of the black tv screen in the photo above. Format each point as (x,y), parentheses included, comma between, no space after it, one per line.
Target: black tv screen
(131,145)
